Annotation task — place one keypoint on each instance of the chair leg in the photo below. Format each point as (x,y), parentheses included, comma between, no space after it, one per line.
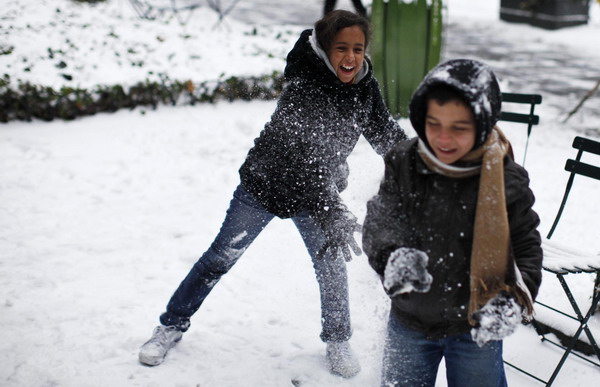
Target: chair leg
(569,348)
(582,320)
(582,327)
(593,308)
(596,291)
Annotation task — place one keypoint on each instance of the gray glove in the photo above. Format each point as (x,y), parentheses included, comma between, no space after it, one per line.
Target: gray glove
(406,271)
(498,318)
(339,227)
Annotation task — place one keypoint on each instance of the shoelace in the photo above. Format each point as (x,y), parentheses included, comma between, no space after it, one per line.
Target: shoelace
(160,334)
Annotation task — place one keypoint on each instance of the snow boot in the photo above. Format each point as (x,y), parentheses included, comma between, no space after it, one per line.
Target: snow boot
(341,359)
(163,338)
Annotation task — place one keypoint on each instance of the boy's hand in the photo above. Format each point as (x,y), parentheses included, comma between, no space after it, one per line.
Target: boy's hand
(406,271)
(498,319)
(339,228)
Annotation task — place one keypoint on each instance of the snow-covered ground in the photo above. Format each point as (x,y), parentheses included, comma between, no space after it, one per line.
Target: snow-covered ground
(64,43)
(101,218)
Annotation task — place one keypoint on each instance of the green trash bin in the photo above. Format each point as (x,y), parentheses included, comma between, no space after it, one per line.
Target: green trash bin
(407,43)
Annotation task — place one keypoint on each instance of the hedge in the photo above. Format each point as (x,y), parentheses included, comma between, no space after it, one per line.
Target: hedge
(26,101)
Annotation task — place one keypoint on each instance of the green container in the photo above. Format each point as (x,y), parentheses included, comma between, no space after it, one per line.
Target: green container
(407,43)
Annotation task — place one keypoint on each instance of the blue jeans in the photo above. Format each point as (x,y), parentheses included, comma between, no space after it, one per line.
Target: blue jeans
(412,360)
(245,219)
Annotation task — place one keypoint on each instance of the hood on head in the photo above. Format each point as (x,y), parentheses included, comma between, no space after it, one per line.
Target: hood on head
(308,60)
(475,81)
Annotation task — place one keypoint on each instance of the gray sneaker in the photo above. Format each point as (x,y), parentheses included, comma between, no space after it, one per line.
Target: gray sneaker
(163,338)
(341,359)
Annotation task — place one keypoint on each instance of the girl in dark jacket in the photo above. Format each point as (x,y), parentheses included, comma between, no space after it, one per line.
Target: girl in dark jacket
(297,169)
(453,235)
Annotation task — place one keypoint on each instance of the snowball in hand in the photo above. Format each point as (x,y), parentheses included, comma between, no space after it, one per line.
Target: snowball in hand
(498,319)
(406,271)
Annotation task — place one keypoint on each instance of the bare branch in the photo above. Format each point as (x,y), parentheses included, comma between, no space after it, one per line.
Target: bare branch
(585,98)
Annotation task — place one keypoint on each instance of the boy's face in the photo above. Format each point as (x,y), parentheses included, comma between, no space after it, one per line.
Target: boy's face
(450,130)
(347,53)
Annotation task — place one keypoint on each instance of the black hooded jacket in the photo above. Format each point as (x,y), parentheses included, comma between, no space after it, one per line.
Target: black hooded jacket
(416,207)
(298,163)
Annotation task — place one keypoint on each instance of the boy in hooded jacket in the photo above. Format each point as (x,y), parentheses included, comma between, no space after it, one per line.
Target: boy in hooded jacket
(453,235)
(297,169)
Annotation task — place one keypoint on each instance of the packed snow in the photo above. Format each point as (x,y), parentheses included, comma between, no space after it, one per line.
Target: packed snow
(406,271)
(102,217)
(498,319)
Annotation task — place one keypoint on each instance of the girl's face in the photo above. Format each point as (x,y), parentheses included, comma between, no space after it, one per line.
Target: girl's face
(450,130)
(347,53)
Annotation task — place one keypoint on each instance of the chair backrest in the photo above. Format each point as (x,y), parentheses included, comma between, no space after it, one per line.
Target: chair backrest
(529,119)
(577,167)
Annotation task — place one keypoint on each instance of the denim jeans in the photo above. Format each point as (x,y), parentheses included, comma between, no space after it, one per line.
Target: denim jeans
(245,219)
(412,360)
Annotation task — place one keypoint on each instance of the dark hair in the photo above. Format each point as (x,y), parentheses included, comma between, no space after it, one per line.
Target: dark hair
(329,25)
(442,93)
(470,81)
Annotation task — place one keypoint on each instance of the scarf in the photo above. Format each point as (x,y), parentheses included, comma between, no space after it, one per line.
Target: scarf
(490,256)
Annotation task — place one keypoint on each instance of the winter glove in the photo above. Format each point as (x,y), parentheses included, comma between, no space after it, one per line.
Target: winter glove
(339,226)
(406,271)
(498,319)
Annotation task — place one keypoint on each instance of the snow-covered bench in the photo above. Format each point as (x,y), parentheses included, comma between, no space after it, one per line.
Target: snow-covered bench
(563,260)
(572,327)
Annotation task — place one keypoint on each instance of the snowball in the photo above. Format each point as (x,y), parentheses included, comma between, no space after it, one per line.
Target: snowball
(406,271)
(498,319)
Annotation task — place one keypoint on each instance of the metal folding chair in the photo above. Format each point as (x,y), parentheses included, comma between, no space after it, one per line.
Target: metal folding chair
(563,260)
(529,119)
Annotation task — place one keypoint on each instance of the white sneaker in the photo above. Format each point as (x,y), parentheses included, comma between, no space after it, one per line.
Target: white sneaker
(341,359)
(163,338)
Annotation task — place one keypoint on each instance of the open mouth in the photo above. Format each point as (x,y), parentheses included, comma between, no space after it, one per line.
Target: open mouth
(347,69)
(445,151)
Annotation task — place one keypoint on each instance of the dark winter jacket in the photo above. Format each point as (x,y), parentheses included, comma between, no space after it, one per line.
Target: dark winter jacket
(299,160)
(433,213)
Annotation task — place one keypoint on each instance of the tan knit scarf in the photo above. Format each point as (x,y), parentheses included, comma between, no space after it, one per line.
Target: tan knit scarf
(490,256)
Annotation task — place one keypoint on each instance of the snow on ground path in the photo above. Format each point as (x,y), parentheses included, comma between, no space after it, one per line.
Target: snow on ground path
(562,74)
(562,65)
(101,218)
